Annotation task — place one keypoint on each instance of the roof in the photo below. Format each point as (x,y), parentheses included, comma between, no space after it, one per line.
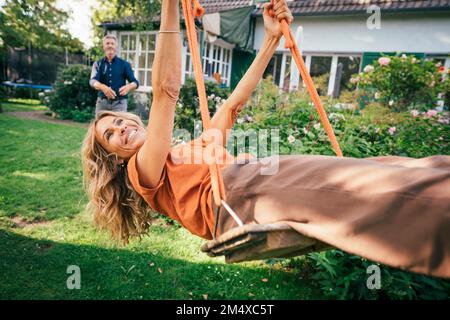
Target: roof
(311,7)
(305,7)
(211,6)
(332,7)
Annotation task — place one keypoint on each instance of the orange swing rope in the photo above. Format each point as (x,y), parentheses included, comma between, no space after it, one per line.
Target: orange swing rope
(290,43)
(216,178)
(189,12)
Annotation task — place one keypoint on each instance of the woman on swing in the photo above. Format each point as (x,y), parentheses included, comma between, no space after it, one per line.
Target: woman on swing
(393,210)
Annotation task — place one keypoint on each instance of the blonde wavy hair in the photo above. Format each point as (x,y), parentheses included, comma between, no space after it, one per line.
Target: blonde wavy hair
(115,205)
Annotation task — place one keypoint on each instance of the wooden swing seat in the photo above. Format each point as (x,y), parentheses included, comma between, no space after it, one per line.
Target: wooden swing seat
(252,242)
(261,241)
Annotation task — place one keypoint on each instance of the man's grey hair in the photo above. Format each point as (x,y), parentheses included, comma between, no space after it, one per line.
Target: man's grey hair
(110,36)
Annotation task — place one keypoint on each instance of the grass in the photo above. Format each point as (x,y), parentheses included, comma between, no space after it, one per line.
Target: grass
(22,105)
(44,229)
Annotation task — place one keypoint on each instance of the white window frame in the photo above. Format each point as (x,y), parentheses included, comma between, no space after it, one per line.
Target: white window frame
(275,58)
(294,73)
(218,61)
(145,84)
(334,64)
(445,57)
(283,69)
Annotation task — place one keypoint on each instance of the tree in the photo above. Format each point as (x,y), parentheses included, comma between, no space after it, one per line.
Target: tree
(36,22)
(141,13)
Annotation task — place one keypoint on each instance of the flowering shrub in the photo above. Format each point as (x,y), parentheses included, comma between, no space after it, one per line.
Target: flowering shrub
(373,131)
(402,82)
(188,108)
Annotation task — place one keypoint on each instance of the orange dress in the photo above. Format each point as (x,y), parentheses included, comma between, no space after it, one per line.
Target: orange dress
(184,191)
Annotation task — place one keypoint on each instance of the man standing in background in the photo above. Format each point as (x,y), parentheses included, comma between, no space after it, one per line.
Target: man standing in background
(109,76)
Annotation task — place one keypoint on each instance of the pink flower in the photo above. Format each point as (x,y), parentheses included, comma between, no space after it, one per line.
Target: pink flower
(368,68)
(384,61)
(291,139)
(248,118)
(354,80)
(431,113)
(392,130)
(414,113)
(444,120)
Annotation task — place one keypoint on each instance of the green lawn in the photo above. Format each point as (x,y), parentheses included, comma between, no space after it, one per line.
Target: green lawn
(22,105)
(44,229)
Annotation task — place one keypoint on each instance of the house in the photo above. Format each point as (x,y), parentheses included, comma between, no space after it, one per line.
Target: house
(336,37)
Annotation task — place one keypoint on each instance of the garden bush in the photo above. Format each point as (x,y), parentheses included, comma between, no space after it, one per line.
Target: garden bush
(403,82)
(72,97)
(188,109)
(344,276)
(373,131)
(2,96)
(20,93)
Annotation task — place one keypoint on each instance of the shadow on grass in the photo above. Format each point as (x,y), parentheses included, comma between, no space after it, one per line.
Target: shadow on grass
(37,269)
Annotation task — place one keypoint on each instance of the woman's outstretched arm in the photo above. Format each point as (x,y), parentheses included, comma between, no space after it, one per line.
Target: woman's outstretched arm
(225,117)
(166,83)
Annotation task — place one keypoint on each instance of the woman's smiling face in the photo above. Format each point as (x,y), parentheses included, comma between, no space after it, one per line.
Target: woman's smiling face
(121,136)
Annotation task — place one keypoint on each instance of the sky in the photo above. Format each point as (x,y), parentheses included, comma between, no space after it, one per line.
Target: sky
(79,23)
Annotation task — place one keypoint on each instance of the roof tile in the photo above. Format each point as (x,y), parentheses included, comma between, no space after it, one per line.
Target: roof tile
(299,7)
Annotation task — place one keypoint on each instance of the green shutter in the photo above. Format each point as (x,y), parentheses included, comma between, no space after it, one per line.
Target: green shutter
(369,57)
(240,63)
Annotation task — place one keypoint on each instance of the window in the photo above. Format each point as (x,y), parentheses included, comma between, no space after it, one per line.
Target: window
(287,73)
(189,67)
(216,59)
(138,48)
(336,67)
(289,77)
(348,67)
(320,66)
(437,58)
(274,68)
